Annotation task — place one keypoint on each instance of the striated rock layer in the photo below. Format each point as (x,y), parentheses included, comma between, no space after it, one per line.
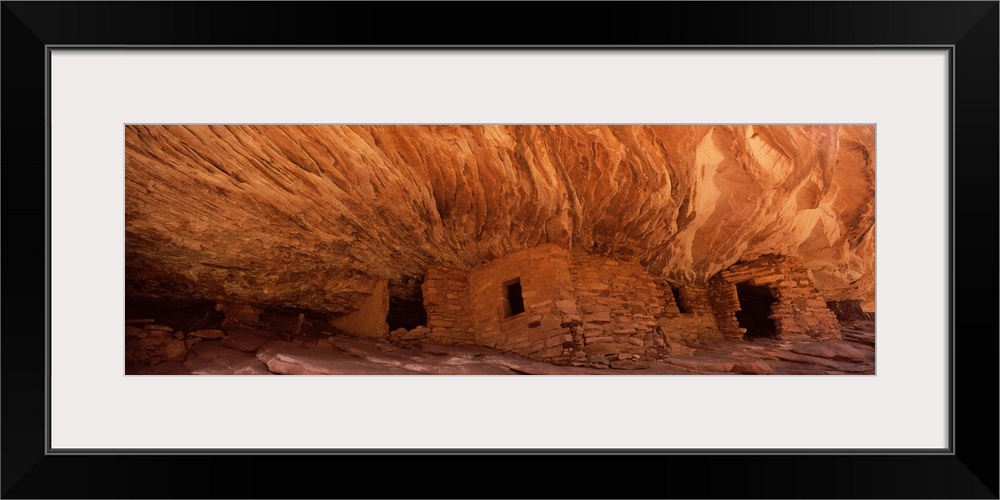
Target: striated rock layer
(313,217)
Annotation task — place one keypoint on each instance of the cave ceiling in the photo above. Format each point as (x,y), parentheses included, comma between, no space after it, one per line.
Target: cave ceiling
(308,216)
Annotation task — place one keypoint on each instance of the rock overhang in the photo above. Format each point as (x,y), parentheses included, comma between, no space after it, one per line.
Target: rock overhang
(309,216)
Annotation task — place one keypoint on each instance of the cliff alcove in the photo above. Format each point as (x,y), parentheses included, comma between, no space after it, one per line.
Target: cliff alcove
(499,249)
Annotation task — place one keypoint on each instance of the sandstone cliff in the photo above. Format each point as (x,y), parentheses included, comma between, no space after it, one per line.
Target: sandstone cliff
(307,217)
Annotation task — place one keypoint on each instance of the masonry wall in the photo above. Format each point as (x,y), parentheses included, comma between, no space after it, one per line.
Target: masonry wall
(698,322)
(800,313)
(370,318)
(446,300)
(620,308)
(543,330)
(588,310)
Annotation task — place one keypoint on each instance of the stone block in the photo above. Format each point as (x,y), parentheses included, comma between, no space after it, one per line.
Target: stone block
(623,328)
(208,334)
(174,349)
(566,306)
(561,340)
(607,349)
(596,359)
(549,352)
(598,317)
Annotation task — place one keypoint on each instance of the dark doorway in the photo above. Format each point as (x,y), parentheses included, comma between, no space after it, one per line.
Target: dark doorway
(755,302)
(407,312)
(677,300)
(515,301)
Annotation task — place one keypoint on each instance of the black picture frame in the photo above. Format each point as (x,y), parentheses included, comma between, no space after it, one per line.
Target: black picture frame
(968,29)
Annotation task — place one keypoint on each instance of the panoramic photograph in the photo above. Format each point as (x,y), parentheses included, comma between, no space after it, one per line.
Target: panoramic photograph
(604,249)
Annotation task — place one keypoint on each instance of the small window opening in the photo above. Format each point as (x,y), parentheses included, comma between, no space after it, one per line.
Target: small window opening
(677,300)
(515,302)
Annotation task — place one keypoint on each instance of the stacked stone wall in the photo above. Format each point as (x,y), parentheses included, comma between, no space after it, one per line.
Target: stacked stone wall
(697,323)
(544,330)
(620,307)
(799,313)
(446,300)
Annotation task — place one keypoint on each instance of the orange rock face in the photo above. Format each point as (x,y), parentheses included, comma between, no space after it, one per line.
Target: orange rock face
(310,217)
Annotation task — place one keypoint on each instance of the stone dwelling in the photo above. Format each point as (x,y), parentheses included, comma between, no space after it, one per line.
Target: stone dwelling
(550,304)
(353,222)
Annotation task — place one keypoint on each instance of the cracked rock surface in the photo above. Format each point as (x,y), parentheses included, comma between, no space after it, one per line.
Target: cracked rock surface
(244,351)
